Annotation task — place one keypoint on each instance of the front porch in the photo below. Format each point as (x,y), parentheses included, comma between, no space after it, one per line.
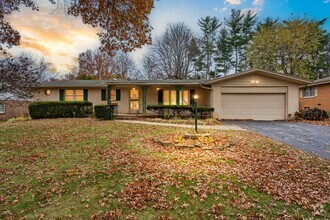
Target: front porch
(133,98)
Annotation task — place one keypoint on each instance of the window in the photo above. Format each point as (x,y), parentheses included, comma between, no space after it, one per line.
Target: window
(134,105)
(2,108)
(104,95)
(134,94)
(184,97)
(74,95)
(173,97)
(309,91)
(170,97)
(166,97)
(113,95)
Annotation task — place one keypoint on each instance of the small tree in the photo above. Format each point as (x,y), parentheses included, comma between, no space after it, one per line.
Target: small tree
(20,76)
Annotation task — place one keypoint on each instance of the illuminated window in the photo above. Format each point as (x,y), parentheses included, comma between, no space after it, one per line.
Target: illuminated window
(2,108)
(134,105)
(134,94)
(79,95)
(113,95)
(69,95)
(184,97)
(166,99)
(173,97)
(74,95)
(170,97)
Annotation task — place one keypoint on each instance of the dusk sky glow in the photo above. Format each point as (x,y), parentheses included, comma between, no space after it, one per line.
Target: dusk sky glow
(60,38)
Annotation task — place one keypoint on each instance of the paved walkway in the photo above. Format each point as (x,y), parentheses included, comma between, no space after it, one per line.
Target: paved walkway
(206,127)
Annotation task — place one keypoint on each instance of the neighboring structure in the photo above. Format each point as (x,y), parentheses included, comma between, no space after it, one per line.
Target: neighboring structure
(254,94)
(316,94)
(12,107)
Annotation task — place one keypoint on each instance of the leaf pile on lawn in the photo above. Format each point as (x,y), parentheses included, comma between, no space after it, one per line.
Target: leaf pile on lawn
(84,168)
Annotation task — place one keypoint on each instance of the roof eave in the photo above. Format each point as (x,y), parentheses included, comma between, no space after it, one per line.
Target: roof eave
(287,77)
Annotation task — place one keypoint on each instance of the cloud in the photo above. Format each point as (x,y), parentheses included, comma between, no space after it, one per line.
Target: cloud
(260,2)
(57,37)
(234,2)
(253,10)
(220,9)
(326,1)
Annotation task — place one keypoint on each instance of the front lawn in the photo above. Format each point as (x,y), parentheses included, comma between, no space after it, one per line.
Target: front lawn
(90,169)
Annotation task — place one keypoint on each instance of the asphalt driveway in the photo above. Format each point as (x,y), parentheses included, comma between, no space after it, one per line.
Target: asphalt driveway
(307,137)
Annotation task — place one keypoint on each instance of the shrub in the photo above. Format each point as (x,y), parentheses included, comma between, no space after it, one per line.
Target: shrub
(315,114)
(168,111)
(55,109)
(103,112)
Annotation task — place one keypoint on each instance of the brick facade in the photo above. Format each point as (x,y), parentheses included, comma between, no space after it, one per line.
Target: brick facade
(321,100)
(15,109)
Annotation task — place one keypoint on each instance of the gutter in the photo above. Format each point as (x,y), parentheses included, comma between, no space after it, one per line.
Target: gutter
(205,87)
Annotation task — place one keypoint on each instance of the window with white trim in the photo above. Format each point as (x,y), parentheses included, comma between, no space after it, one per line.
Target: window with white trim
(2,108)
(309,92)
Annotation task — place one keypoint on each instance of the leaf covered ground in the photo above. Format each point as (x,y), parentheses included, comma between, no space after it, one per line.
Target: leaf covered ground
(88,169)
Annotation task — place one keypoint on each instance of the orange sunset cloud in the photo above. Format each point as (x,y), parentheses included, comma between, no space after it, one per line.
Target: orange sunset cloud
(57,37)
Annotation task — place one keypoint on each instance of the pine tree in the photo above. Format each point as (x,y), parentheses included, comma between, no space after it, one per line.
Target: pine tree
(240,26)
(248,23)
(234,25)
(209,27)
(224,53)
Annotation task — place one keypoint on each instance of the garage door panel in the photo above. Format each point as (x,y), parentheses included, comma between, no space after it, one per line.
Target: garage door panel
(253,106)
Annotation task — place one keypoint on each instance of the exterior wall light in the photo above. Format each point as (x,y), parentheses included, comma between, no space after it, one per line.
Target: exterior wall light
(47,91)
(158,89)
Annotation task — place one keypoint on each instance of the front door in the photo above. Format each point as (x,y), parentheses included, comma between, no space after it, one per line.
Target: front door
(134,103)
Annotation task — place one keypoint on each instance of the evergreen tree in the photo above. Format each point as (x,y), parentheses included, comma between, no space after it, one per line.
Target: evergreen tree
(248,23)
(209,27)
(224,53)
(240,26)
(196,58)
(234,25)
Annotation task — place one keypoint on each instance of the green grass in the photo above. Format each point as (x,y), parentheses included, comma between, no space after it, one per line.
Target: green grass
(79,168)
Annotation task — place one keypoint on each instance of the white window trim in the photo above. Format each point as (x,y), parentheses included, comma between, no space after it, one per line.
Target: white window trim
(315,92)
(4,108)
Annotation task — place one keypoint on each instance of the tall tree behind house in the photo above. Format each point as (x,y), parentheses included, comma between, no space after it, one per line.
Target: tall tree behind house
(209,26)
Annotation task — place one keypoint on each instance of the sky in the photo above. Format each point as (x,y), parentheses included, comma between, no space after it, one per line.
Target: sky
(60,38)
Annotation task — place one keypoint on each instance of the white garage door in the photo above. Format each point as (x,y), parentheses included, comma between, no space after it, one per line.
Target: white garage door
(253,106)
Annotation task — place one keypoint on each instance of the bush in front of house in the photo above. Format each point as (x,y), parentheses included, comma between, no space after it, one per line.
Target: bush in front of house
(57,109)
(314,114)
(103,112)
(168,111)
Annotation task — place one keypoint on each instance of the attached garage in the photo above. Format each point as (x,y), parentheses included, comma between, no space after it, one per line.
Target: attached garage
(253,106)
(256,95)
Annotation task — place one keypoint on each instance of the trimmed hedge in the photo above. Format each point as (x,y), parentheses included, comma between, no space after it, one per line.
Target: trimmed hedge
(168,111)
(315,114)
(58,109)
(103,112)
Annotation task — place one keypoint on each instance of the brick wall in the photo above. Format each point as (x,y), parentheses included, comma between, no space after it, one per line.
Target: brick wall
(15,109)
(322,100)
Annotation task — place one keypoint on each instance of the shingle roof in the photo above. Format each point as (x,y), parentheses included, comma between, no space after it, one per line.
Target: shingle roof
(75,83)
(104,83)
(322,79)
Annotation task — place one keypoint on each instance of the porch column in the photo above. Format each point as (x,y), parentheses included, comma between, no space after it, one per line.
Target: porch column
(144,99)
(109,95)
(178,89)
